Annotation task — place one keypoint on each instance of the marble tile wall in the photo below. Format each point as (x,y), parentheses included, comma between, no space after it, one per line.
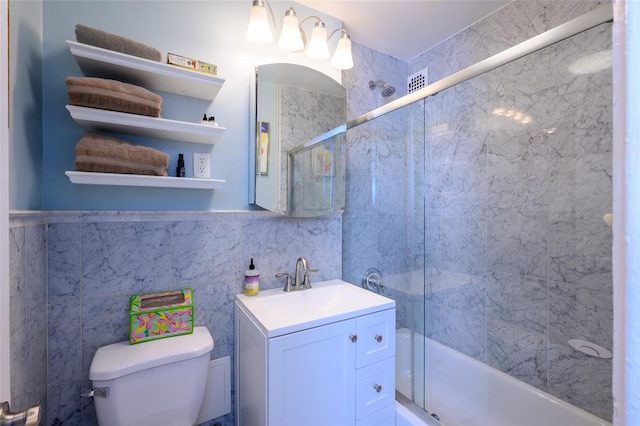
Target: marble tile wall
(97,260)
(28,310)
(518,257)
(516,22)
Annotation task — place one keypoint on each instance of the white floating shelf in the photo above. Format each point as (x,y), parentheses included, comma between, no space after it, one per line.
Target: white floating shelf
(141,125)
(94,178)
(98,62)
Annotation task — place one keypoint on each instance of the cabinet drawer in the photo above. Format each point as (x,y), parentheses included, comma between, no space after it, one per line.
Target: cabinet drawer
(376,337)
(375,387)
(384,417)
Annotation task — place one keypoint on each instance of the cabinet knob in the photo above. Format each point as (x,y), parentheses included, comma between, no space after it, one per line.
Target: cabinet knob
(378,388)
(378,338)
(353,338)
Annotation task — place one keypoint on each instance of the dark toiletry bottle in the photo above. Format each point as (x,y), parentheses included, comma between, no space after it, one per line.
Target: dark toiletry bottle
(180,168)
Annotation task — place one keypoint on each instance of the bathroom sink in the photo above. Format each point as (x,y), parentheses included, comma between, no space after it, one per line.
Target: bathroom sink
(277,312)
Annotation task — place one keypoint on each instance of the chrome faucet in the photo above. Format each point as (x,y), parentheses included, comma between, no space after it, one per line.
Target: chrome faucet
(305,264)
(301,281)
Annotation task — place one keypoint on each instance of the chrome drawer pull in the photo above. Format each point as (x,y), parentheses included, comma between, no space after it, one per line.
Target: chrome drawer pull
(378,338)
(378,388)
(353,338)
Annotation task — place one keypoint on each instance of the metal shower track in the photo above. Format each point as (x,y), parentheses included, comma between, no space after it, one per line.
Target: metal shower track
(575,26)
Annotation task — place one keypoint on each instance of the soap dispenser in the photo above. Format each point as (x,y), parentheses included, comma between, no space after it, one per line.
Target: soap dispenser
(251,280)
(180,168)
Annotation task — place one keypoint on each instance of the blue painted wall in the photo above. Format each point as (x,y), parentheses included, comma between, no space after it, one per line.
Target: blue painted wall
(25,105)
(210,31)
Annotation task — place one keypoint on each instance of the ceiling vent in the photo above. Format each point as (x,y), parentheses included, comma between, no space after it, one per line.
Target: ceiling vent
(418,80)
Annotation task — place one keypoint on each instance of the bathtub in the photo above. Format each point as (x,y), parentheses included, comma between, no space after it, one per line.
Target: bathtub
(466,392)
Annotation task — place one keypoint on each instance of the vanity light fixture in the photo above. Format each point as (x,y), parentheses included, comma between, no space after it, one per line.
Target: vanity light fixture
(293,38)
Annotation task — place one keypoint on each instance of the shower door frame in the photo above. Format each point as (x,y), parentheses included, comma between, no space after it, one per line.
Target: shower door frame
(5,391)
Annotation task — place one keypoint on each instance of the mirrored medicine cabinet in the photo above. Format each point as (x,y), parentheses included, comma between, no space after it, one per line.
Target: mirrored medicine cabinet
(297,159)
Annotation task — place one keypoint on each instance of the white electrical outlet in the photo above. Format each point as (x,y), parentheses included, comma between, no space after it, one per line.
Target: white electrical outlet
(201,165)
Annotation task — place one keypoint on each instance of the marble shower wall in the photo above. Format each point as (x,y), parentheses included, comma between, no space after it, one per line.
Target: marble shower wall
(518,256)
(97,260)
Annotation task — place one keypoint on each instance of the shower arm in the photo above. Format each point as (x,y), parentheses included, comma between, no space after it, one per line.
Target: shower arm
(373,84)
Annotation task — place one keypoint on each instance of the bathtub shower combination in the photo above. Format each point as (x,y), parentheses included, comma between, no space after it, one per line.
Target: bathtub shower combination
(495,251)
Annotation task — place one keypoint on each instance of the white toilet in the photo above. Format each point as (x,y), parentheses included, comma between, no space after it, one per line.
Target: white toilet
(161,382)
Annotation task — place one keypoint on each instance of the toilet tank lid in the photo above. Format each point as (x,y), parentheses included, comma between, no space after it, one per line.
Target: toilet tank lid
(121,359)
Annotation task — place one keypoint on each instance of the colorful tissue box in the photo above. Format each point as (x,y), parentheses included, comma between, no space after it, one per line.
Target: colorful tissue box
(159,315)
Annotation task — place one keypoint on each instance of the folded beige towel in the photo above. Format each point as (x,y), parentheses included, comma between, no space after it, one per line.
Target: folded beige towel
(105,40)
(96,152)
(113,95)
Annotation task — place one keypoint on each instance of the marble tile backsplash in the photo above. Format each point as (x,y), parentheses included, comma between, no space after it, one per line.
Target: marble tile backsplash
(93,262)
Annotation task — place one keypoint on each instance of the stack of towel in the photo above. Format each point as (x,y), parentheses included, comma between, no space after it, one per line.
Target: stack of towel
(96,152)
(105,40)
(113,95)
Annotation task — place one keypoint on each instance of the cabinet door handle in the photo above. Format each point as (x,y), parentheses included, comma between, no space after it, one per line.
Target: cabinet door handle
(353,338)
(378,388)
(378,338)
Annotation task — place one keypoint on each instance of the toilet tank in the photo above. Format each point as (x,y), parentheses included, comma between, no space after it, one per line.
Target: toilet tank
(161,382)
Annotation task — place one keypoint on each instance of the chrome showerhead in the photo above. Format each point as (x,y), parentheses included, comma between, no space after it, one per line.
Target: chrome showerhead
(387,89)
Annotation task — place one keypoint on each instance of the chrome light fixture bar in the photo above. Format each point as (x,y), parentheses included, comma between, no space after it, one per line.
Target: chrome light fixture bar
(293,38)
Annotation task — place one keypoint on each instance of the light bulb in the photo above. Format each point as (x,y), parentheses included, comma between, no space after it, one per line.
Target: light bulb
(342,58)
(259,30)
(290,38)
(318,47)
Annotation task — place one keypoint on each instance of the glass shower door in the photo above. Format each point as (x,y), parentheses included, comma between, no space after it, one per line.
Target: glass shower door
(383,221)
(518,258)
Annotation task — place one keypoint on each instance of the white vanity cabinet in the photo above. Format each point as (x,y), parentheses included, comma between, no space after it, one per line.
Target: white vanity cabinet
(341,373)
